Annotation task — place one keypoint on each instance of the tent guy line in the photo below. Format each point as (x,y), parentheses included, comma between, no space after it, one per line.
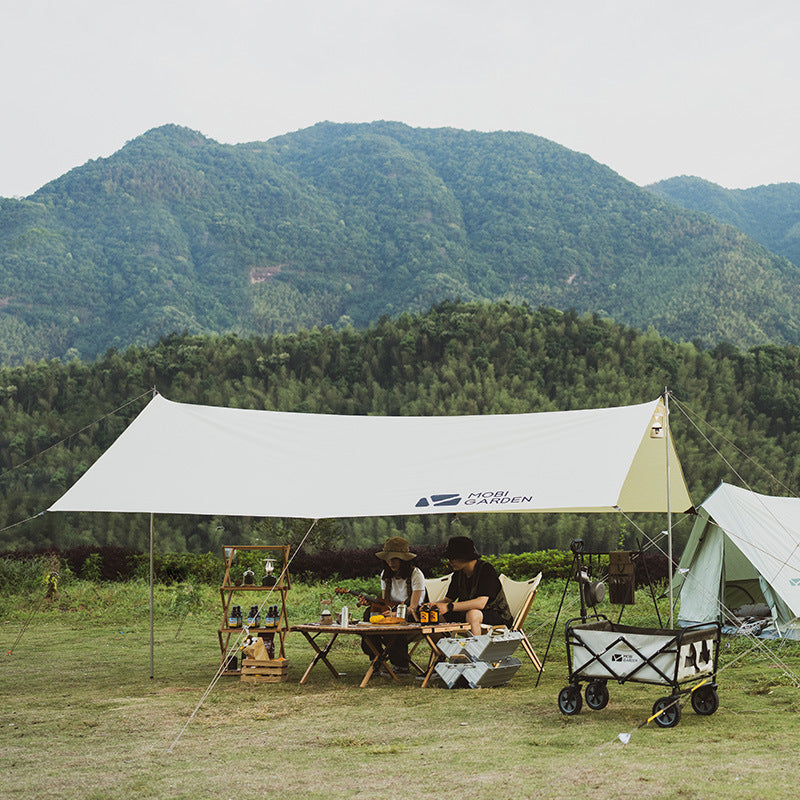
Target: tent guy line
(244,632)
(686,409)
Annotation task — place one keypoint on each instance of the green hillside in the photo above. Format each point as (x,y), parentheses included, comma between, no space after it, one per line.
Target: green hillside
(770,214)
(341,224)
(56,419)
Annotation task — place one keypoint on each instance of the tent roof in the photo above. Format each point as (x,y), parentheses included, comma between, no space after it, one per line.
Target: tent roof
(767,532)
(177,458)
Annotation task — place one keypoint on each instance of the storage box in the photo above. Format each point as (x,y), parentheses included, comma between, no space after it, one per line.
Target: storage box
(261,671)
(494,646)
(478,674)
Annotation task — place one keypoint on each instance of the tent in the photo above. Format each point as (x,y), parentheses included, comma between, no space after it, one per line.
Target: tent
(177,458)
(742,563)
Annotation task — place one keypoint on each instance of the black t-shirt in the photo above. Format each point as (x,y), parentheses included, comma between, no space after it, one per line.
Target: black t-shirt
(483,582)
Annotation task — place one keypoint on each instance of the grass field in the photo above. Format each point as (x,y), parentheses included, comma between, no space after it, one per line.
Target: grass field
(81,718)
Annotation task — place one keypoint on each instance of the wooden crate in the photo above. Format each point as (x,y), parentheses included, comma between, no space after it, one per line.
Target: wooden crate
(272,671)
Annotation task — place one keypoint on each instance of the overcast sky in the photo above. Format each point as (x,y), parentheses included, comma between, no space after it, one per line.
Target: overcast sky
(653,90)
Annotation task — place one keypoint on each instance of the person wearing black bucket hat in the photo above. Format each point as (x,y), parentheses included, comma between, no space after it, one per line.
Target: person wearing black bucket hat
(475,594)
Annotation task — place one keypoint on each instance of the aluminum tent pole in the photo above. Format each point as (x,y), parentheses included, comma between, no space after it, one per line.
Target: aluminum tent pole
(669,507)
(152,674)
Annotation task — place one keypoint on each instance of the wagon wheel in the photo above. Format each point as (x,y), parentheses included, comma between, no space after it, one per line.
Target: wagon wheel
(596,695)
(670,716)
(569,700)
(705,700)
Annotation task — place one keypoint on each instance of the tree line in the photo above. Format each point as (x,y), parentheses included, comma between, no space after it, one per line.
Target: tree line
(735,416)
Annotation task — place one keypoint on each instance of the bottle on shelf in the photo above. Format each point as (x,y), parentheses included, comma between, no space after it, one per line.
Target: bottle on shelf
(235,617)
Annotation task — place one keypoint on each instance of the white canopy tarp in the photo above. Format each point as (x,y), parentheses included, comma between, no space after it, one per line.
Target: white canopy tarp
(176,458)
(744,549)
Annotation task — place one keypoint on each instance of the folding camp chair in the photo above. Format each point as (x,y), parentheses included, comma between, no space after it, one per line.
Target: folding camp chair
(519,596)
(436,587)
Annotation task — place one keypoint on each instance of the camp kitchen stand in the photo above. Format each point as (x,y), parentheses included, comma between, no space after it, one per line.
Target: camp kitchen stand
(255,594)
(600,650)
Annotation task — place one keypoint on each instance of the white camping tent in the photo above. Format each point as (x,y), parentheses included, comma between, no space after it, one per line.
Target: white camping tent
(743,552)
(176,458)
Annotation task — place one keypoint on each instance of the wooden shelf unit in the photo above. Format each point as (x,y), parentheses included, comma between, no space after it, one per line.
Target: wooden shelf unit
(280,555)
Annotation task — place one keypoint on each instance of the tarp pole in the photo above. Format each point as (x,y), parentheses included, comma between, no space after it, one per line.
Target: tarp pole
(152,674)
(669,509)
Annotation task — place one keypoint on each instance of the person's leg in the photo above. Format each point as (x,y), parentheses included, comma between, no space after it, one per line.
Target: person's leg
(398,653)
(475,618)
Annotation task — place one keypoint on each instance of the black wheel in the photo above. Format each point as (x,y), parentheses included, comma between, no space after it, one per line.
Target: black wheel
(670,716)
(705,700)
(596,694)
(569,700)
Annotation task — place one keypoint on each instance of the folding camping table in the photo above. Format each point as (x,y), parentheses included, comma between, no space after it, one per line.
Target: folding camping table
(429,633)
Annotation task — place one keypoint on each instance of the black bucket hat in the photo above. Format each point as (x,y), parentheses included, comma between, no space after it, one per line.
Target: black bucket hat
(462,548)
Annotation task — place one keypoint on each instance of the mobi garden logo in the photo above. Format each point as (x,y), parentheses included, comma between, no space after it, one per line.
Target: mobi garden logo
(493,498)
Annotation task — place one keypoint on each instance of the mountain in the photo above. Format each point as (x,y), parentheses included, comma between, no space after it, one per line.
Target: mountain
(343,224)
(770,214)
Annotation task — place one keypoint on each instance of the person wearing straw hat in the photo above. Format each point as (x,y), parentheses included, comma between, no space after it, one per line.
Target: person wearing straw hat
(401,582)
(475,594)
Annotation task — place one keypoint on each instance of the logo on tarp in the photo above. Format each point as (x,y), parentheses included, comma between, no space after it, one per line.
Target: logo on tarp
(494,497)
(624,658)
(438,500)
(794,582)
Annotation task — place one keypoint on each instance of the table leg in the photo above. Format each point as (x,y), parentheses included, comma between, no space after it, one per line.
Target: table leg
(321,655)
(436,654)
(378,660)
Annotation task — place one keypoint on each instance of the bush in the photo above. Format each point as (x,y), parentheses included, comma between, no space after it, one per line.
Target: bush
(360,563)
(522,566)
(25,574)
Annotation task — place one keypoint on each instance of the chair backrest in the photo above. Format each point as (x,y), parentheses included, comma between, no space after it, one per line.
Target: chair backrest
(519,596)
(436,587)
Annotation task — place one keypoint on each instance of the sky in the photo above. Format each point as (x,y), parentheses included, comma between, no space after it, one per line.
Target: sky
(652,90)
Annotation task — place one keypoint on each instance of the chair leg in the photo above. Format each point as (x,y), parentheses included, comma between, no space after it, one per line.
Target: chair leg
(528,647)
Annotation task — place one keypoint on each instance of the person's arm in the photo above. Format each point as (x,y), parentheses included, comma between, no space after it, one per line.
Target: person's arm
(462,605)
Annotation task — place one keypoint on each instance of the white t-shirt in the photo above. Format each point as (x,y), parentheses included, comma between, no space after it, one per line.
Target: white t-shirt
(398,591)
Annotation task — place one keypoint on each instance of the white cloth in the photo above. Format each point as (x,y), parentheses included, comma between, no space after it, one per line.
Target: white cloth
(176,458)
(398,590)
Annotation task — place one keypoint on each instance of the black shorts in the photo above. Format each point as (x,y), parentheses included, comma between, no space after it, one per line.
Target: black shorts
(490,617)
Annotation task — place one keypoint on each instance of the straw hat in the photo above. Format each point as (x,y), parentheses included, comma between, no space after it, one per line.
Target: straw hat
(396,547)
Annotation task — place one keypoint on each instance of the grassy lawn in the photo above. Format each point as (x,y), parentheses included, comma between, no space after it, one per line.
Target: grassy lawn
(81,718)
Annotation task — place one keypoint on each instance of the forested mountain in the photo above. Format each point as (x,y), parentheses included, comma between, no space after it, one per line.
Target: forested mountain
(56,419)
(770,214)
(340,224)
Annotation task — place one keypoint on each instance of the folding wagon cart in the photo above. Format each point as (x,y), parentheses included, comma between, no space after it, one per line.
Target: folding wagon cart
(685,660)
